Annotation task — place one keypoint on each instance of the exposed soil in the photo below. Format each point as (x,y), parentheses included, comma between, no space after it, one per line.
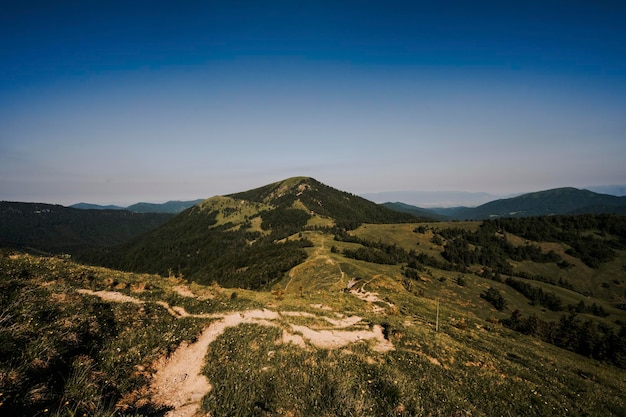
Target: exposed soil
(371,298)
(178,381)
(184,291)
(114,296)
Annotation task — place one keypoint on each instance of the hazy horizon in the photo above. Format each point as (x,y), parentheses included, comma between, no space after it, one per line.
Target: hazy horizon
(118,102)
(423,199)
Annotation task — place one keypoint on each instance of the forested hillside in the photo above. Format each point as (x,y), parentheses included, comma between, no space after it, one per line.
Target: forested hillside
(559,201)
(248,239)
(347,210)
(547,203)
(58,229)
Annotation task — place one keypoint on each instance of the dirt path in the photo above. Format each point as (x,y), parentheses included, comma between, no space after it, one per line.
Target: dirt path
(184,291)
(178,381)
(315,256)
(334,339)
(370,298)
(114,296)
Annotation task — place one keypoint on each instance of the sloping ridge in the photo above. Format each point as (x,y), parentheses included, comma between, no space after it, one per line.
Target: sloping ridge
(249,239)
(421,213)
(348,210)
(566,200)
(172,206)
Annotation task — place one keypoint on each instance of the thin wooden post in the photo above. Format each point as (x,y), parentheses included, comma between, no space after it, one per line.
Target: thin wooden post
(437,322)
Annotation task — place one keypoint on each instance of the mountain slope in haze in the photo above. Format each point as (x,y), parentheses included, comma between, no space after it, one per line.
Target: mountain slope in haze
(89,206)
(248,239)
(58,229)
(416,211)
(542,203)
(428,199)
(173,206)
(617,190)
(168,207)
(557,201)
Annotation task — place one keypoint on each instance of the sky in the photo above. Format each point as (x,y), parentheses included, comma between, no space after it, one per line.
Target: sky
(116,102)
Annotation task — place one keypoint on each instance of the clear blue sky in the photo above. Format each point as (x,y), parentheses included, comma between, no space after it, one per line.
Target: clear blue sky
(119,102)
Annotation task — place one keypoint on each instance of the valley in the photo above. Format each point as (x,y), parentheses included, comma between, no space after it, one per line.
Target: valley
(297,299)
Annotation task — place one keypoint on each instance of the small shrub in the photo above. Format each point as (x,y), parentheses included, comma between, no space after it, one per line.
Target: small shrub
(494,297)
(278,293)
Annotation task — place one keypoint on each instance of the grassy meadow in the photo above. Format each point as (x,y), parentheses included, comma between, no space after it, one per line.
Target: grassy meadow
(67,352)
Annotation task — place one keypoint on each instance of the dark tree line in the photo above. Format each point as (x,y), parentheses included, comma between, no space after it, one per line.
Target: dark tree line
(536,295)
(609,233)
(284,221)
(586,338)
(373,255)
(382,253)
(592,238)
(495,298)
(594,309)
(487,247)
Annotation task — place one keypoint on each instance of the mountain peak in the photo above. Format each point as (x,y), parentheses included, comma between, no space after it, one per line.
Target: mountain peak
(281,192)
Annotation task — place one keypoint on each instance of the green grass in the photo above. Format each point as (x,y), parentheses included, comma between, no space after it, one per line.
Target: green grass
(73,354)
(428,374)
(63,353)
(232,210)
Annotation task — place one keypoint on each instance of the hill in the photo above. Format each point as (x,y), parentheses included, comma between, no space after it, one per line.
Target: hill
(264,293)
(168,207)
(434,199)
(89,206)
(542,203)
(415,211)
(347,210)
(173,206)
(248,239)
(58,229)
(549,202)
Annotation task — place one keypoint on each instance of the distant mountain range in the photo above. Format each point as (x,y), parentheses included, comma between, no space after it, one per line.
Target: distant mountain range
(431,199)
(168,207)
(454,199)
(446,203)
(616,190)
(550,202)
(282,208)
